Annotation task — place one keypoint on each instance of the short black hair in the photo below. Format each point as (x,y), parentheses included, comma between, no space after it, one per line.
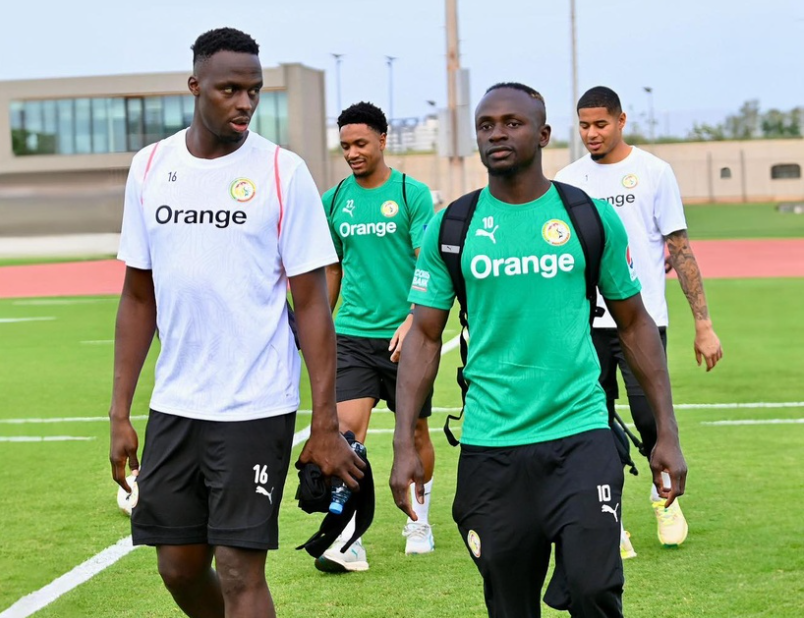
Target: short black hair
(601,96)
(223,39)
(534,94)
(364,113)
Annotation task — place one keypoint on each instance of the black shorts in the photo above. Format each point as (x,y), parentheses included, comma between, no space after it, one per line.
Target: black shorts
(212,482)
(511,504)
(611,356)
(365,369)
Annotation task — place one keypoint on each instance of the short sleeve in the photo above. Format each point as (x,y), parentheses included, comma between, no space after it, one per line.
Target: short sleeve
(305,243)
(432,285)
(668,209)
(134,247)
(421,211)
(618,278)
(329,196)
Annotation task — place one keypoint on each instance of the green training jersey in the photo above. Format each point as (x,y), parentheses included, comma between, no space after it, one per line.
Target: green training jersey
(375,234)
(532,368)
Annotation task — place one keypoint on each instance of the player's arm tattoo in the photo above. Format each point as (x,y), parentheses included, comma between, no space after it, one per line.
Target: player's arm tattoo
(689,275)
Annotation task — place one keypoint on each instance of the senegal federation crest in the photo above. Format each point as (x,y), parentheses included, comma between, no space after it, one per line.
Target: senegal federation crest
(473,541)
(389,208)
(242,189)
(556,232)
(630,181)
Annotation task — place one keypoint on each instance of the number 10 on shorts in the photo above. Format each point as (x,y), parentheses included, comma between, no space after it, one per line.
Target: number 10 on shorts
(604,493)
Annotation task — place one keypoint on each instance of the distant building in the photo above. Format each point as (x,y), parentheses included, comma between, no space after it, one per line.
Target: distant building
(61,133)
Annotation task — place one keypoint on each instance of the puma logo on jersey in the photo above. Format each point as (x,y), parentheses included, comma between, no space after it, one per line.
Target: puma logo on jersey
(265,492)
(488,234)
(605,508)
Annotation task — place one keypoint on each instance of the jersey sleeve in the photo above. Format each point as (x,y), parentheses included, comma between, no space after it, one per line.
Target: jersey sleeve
(618,278)
(304,239)
(330,214)
(421,211)
(134,248)
(668,209)
(432,285)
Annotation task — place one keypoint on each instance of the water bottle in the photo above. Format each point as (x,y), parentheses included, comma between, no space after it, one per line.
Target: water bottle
(340,492)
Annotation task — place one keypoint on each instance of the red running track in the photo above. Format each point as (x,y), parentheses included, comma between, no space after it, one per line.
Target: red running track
(718,259)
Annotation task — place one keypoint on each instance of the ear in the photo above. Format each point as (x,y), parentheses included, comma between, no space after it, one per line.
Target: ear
(621,121)
(544,136)
(383,138)
(192,84)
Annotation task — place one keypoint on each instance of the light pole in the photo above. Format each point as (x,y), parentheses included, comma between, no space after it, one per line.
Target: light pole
(338,81)
(390,62)
(574,142)
(651,120)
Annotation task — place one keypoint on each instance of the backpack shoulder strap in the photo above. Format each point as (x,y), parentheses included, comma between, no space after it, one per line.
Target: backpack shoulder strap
(404,190)
(334,197)
(587,223)
(452,237)
(451,241)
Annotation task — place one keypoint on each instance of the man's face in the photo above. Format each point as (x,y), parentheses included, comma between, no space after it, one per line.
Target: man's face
(511,131)
(227,88)
(601,131)
(362,148)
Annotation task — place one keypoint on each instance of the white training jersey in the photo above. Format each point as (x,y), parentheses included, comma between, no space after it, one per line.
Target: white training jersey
(644,192)
(221,237)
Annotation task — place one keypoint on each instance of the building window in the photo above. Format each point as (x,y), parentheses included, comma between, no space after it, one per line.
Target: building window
(120,124)
(725,173)
(785,170)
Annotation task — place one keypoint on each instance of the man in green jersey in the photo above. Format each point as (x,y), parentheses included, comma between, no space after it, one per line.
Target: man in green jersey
(538,464)
(377,218)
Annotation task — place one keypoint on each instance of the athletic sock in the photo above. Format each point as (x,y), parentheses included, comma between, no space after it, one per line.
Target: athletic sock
(654,494)
(349,530)
(422,510)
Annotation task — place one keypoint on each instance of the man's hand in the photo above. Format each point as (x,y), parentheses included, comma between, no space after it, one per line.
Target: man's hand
(395,347)
(407,469)
(123,450)
(330,451)
(667,457)
(707,346)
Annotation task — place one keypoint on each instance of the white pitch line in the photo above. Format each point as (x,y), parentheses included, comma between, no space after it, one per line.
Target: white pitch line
(43,439)
(74,419)
(43,597)
(770,421)
(35,601)
(15,320)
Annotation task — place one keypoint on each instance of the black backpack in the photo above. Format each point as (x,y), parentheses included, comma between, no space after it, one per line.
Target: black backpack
(451,239)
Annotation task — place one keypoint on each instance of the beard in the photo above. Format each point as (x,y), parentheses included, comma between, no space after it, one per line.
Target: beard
(506,172)
(597,157)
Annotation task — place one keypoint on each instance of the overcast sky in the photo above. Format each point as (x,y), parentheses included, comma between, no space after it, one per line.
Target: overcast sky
(702,58)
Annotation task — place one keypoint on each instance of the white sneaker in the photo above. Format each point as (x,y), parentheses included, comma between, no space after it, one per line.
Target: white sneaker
(419,538)
(335,561)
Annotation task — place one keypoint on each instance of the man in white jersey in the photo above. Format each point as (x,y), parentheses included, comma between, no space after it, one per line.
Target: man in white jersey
(217,221)
(644,192)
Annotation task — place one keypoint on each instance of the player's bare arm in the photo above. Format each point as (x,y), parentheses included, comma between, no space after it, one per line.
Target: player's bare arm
(707,344)
(395,345)
(644,352)
(326,447)
(134,332)
(418,368)
(334,278)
